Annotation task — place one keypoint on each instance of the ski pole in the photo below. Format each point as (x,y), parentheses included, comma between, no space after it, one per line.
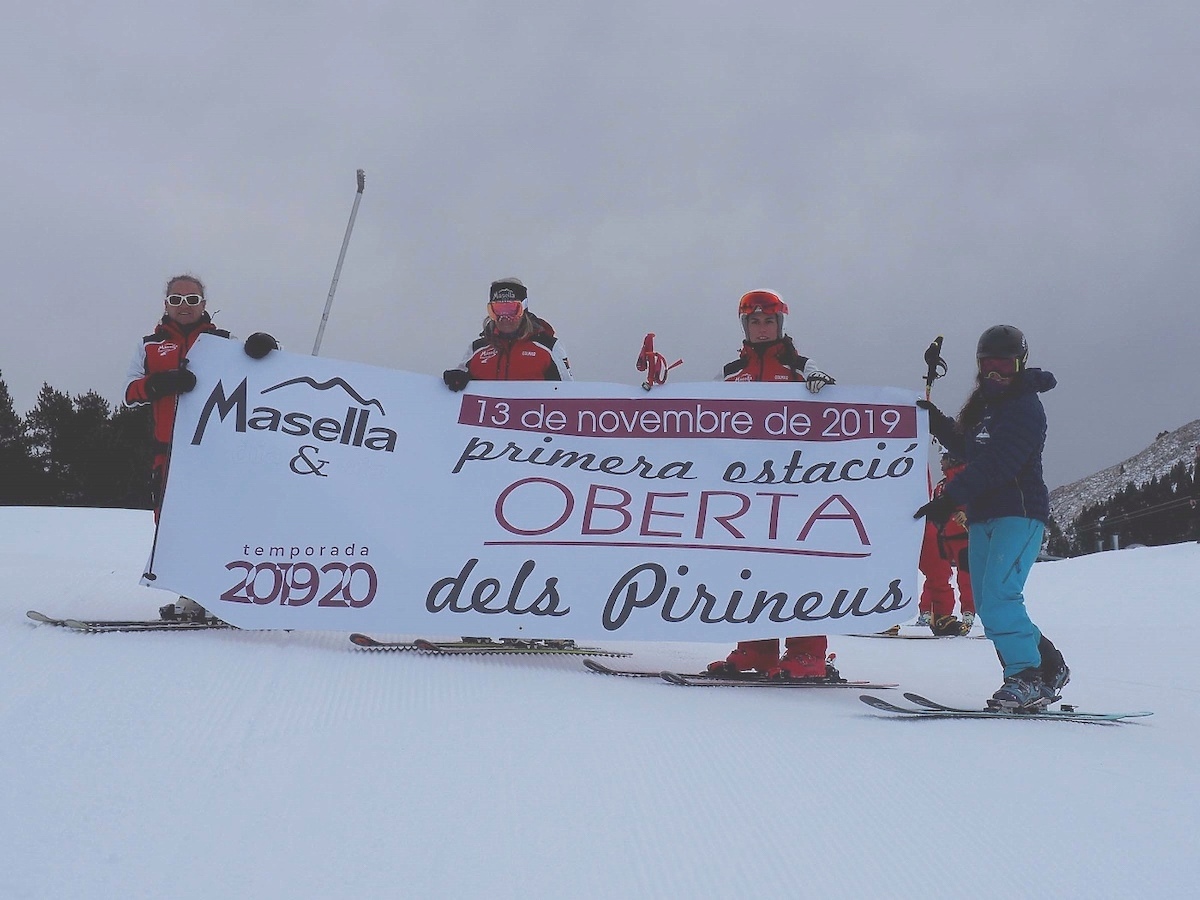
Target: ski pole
(937,365)
(654,364)
(337,271)
(162,488)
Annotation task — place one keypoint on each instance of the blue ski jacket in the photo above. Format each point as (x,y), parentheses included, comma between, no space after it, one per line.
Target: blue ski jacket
(1003,453)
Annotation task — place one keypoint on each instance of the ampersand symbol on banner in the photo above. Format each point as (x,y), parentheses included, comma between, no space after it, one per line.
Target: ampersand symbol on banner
(312,466)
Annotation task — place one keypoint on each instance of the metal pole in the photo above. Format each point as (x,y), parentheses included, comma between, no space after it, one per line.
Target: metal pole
(338,268)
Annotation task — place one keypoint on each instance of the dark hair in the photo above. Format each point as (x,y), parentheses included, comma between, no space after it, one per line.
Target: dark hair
(972,411)
(184,277)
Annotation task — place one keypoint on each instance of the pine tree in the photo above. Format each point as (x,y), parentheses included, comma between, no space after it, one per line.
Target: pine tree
(1056,542)
(17,481)
(1154,513)
(132,448)
(46,424)
(87,451)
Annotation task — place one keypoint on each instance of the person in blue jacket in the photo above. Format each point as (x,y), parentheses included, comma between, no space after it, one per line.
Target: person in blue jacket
(1000,433)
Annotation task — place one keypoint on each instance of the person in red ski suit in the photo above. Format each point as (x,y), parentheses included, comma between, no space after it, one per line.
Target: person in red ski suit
(943,555)
(159,373)
(515,345)
(768,354)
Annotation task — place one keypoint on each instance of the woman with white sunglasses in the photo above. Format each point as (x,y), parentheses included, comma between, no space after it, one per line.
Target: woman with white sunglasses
(158,374)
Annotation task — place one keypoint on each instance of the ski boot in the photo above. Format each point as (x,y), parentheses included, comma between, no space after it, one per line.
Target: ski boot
(183,610)
(1023,691)
(1056,680)
(946,626)
(968,622)
(747,656)
(1055,673)
(804,659)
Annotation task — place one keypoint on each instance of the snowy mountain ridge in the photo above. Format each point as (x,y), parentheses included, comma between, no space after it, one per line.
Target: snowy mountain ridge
(1069,500)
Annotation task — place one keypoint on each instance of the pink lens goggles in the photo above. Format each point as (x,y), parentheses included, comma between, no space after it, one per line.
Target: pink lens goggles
(1003,366)
(507,309)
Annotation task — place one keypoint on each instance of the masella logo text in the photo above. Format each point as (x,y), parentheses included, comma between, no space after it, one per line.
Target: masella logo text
(353,429)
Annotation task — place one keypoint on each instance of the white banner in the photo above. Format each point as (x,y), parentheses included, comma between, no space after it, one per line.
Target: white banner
(311,493)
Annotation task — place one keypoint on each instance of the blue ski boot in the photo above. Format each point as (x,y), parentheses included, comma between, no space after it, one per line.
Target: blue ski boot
(1025,690)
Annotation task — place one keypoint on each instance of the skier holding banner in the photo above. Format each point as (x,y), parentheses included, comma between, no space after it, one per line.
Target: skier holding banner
(768,354)
(159,373)
(515,345)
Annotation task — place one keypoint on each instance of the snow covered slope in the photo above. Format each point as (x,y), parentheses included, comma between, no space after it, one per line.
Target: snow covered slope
(1068,501)
(290,765)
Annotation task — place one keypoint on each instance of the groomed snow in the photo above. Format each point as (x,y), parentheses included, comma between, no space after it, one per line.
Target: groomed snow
(290,765)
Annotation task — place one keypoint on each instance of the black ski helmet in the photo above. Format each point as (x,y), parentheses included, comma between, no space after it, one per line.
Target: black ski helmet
(1005,341)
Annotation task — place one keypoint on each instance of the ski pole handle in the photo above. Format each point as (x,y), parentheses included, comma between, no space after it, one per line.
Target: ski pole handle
(654,364)
(936,365)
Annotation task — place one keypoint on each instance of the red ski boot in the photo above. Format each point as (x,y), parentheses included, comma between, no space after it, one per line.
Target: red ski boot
(804,660)
(748,656)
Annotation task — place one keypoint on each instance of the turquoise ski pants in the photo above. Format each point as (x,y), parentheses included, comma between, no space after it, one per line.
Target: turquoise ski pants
(1002,551)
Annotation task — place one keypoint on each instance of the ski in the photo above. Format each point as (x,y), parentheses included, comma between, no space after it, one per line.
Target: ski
(920,637)
(480,645)
(761,681)
(750,679)
(927,709)
(602,669)
(44,619)
(1065,709)
(96,626)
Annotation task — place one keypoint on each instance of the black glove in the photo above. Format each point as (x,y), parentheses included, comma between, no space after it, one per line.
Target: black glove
(259,345)
(456,379)
(945,626)
(938,510)
(172,381)
(938,420)
(817,380)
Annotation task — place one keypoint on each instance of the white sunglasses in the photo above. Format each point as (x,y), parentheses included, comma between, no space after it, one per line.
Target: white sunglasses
(180,299)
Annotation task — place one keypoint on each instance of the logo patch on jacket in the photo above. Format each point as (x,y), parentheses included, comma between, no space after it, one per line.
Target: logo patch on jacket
(167,348)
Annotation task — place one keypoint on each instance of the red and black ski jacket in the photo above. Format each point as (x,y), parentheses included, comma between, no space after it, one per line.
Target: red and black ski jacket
(536,356)
(162,351)
(771,361)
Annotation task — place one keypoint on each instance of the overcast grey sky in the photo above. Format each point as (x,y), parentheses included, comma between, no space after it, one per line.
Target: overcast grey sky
(897,170)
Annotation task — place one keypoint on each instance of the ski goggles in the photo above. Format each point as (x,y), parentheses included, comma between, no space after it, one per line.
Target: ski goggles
(1001,366)
(181,299)
(762,301)
(506,309)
